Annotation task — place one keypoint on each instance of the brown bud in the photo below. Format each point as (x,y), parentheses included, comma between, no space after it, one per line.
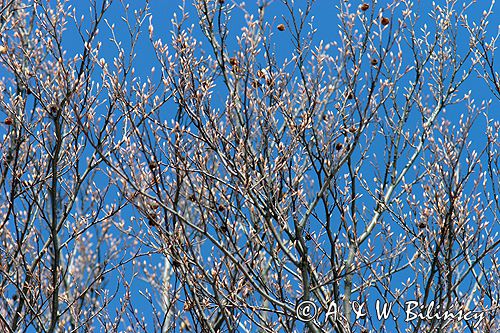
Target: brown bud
(338,146)
(188,305)
(221,208)
(152,217)
(153,165)
(352,129)
(308,236)
(8,121)
(233,61)
(281,27)
(53,108)
(364,7)
(3,49)
(385,21)
(176,263)
(223,228)
(374,62)
(256,84)
(422,225)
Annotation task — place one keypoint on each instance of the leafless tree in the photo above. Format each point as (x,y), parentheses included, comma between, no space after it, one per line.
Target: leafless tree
(254,173)
(56,215)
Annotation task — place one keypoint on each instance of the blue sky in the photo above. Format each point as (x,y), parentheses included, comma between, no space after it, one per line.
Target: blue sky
(326,23)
